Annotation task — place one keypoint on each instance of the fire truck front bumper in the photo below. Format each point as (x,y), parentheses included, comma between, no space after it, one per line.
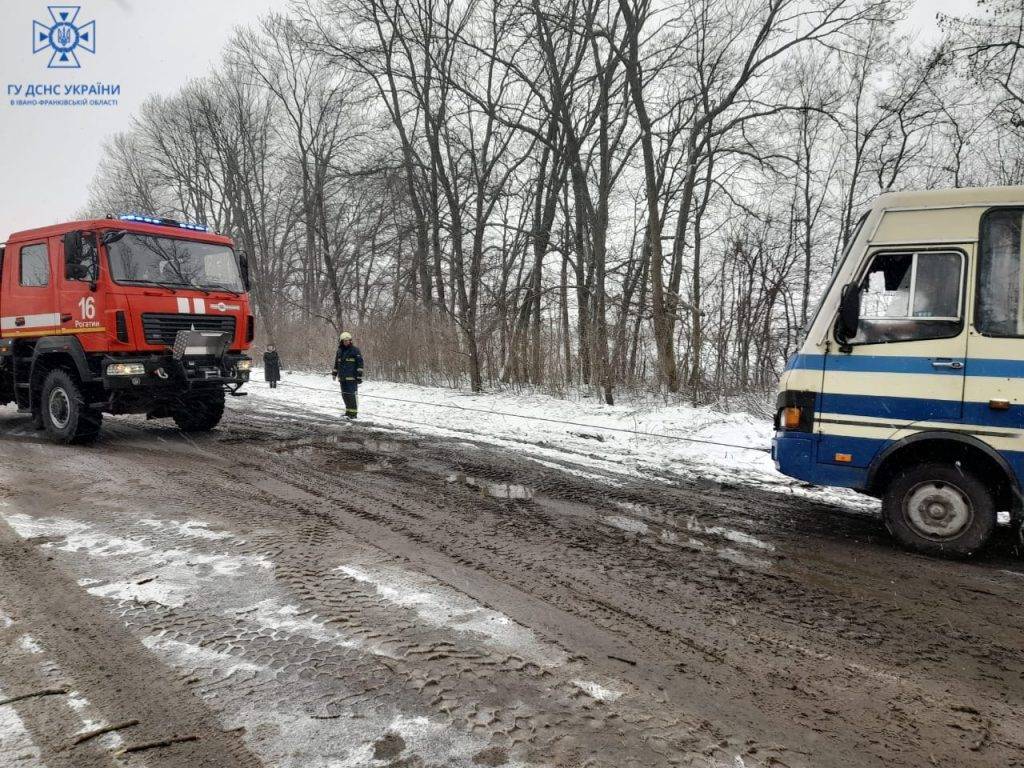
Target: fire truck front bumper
(155,372)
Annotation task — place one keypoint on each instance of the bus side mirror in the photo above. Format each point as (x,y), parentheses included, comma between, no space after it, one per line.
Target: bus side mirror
(849,315)
(243,268)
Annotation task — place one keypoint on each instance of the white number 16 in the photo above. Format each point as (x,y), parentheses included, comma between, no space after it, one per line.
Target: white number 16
(87,307)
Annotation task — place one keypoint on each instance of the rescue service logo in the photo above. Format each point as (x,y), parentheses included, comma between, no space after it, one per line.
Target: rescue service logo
(63,36)
(61,39)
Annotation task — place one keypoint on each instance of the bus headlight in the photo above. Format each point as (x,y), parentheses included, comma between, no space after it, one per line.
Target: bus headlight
(791,417)
(126,369)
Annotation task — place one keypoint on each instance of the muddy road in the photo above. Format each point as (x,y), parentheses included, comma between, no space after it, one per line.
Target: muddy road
(293,592)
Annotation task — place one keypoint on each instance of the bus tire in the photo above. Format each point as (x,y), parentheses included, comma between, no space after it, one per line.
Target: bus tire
(200,414)
(939,509)
(64,412)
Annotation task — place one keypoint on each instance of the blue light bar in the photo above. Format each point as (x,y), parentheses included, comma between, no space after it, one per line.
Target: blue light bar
(163,222)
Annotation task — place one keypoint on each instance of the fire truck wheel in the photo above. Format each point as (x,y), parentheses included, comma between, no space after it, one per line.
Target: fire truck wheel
(200,414)
(65,415)
(939,509)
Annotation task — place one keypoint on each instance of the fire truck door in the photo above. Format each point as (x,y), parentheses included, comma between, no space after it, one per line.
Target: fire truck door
(78,275)
(29,300)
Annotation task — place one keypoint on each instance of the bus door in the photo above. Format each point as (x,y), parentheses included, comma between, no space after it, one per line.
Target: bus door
(907,362)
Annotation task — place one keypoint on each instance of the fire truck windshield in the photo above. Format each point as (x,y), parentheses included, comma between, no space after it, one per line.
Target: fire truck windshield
(174,262)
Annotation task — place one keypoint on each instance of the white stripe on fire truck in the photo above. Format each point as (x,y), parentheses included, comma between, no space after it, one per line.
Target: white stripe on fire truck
(183,307)
(29,321)
(200,306)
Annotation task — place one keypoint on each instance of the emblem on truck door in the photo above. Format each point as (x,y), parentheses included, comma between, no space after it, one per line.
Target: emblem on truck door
(222,307)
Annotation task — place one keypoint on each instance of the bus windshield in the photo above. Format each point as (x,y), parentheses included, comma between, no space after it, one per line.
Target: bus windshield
(147,259)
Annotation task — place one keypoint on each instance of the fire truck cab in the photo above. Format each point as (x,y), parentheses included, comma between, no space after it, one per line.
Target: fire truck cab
(122,315)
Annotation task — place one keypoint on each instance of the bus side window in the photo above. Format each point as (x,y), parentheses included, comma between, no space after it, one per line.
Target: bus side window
(998,311)
(909,296)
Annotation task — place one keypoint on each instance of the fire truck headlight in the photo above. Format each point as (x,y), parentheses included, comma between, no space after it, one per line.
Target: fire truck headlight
(245,365)
(126,369)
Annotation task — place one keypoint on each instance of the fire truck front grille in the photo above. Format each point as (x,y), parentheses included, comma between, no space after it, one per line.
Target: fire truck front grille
(163,329)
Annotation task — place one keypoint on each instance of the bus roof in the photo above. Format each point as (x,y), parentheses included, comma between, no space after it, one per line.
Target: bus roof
(951,198)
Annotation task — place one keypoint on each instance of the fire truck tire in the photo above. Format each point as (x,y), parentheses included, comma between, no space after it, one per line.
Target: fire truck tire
(65,415)
(200,414)
(939,509)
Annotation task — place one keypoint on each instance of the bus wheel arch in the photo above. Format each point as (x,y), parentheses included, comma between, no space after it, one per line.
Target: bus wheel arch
(955,476)
(952,448)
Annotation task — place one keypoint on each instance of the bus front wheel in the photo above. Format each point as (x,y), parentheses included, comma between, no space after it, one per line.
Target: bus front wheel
(939,509)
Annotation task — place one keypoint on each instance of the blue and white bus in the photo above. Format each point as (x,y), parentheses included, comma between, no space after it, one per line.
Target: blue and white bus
(909,383)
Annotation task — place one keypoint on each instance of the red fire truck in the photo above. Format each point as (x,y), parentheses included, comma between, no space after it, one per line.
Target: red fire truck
(134,314)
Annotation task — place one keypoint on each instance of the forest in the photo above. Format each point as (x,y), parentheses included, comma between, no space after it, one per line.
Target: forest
(605,196)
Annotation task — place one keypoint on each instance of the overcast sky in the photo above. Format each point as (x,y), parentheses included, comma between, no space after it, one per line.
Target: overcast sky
(48,154)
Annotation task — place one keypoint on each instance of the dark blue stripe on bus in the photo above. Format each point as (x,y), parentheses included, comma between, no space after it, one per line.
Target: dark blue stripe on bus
(922,409)
(1012,369)
(875,364)
(888,407)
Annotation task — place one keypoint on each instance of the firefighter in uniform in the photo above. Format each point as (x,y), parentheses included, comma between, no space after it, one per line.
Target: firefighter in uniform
(348,370)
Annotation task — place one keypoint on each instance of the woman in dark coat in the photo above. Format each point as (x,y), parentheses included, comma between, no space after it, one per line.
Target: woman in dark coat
(271,366)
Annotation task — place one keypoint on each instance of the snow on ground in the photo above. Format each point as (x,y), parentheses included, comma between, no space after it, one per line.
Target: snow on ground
(730,447)
(16,745)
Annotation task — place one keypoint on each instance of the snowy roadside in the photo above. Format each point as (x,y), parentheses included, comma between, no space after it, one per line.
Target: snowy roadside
(657,452)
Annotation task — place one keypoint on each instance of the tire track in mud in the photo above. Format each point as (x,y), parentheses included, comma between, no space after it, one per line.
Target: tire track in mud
(424,541)
(70,633)
(729,657)
(438,659)
(238,661)
(432,663)
(528,523)
(860,635)
(536,724)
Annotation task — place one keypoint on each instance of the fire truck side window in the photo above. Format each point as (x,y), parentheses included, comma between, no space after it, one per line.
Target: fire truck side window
(35,265)
(87,266)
